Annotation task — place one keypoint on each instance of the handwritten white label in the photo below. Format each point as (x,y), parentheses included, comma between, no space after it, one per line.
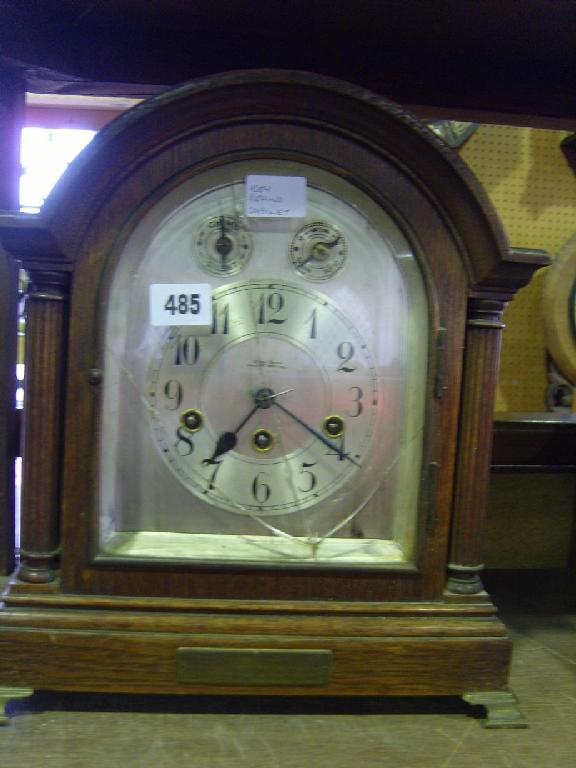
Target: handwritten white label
(275,196)
(181,304)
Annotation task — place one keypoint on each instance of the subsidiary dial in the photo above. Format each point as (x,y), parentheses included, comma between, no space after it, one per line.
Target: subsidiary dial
(318,251)
(223,245)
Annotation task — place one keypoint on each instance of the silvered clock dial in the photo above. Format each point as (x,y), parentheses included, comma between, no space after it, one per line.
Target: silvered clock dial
(291,430)
(294,423)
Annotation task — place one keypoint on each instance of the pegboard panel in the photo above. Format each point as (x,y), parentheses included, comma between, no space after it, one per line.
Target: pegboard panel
(533,189)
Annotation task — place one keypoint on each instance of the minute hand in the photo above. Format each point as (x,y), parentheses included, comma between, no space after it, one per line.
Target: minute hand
(317,434)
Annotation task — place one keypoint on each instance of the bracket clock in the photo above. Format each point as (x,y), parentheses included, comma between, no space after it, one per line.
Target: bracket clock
(263,326)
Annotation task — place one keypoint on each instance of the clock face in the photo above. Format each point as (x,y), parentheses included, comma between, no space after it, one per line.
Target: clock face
(274,411)
(291,429)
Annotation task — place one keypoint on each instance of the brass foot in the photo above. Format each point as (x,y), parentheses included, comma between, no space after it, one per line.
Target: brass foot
(8,694)
(501,708)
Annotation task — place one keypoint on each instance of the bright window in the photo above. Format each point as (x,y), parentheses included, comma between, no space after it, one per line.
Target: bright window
(45,153)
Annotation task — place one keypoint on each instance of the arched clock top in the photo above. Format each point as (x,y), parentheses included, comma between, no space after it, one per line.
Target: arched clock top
(179,122)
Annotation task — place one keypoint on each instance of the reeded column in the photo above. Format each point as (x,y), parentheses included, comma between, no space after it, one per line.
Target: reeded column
(480,376)
(46,304)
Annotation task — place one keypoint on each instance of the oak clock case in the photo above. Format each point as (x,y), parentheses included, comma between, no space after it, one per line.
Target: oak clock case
(289,499)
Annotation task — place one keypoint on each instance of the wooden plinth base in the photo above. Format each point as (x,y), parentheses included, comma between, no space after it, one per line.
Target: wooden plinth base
(126,645)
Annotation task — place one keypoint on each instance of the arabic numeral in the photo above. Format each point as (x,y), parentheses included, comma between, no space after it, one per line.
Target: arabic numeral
(357,400)
(345,351)
(173,393)
(220,319)
(341,449)
(310,479)
(313,320)
(269,306)
(184,445)
(260,489)
(186,350)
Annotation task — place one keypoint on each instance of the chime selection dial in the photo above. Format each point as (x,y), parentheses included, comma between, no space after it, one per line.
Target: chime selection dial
(223,245)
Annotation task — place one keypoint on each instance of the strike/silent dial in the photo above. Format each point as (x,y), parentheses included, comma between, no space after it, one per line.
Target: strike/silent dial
(318,251)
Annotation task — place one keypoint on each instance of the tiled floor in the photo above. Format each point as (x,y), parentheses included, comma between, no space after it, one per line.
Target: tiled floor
(52,730)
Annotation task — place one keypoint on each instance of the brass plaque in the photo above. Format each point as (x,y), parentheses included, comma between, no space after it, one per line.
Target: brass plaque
(253,666)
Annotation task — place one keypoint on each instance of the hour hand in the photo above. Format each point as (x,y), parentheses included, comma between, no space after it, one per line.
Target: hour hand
(226,442)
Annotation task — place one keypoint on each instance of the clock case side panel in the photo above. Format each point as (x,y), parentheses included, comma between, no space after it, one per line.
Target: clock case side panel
(9,432)
(387,176)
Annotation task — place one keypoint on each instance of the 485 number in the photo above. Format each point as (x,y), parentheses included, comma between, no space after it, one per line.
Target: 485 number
(183,304)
